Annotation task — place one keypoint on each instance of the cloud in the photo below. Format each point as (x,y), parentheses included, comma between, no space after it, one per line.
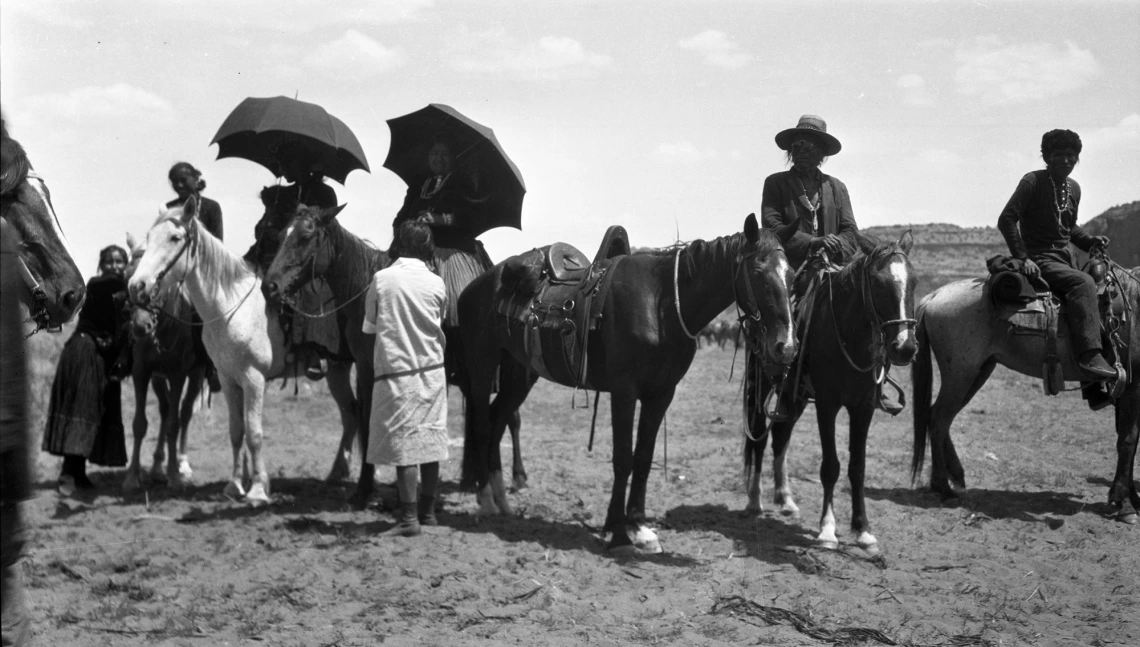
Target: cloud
(118,101)
(717,49)
(914,90)
(354,56)
(1126,134)
(496,52)
(1015,73)
(683,152)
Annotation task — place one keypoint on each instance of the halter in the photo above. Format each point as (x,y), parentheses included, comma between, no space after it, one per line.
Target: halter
(287,294)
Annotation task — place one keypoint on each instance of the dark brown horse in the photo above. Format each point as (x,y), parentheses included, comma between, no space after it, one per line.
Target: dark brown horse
(163,357)
(959,327)
(317,246)
(640,351)
(56,288)
(861,323)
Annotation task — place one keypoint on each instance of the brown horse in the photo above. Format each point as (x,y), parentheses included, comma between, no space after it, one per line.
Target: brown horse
(861,323)
(316,246)
(957,324)
(56,288)
(163,357)
(640,351)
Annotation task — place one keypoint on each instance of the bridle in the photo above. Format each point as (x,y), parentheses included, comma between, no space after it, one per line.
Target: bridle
(38,309)
(287,292)
(879,360)
(751,322)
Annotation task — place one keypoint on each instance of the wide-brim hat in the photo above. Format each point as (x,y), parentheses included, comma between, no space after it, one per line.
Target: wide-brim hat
(814,126)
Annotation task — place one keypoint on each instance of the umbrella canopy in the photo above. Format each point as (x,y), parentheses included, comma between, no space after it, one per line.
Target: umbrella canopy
(412,138)
(267,130)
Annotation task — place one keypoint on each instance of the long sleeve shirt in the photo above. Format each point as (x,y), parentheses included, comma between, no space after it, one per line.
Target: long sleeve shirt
(783,212)
(1030,221)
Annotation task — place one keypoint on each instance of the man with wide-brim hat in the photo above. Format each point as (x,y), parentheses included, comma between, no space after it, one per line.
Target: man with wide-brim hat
(807,209)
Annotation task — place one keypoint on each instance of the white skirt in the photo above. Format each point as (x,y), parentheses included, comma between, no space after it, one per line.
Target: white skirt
(408,425)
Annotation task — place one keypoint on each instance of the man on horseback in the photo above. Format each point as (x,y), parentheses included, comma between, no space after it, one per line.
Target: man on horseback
(811,214)
(1038,223)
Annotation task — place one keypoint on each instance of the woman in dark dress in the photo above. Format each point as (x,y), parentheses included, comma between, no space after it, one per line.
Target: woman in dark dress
(187,181)
(451,203)
(85,418)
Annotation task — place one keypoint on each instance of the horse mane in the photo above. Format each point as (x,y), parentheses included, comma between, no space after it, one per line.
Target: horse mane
(358,257)
(719,250)
(871,249)
(219,266)
(14,164)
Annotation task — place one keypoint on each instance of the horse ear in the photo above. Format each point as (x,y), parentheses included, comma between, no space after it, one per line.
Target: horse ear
(190,210)
(132,242)
(906,241)
(751,228)
(328,213)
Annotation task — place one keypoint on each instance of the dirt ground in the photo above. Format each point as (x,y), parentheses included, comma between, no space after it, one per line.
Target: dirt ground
(1027,558)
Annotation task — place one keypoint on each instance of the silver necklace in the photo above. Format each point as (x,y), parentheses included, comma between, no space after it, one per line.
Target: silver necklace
(1064,200)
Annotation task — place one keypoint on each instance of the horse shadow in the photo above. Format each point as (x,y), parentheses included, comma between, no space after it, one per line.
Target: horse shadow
(1043,506)
(770,537)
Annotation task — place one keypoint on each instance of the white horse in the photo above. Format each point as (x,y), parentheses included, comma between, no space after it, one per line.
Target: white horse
(242,337)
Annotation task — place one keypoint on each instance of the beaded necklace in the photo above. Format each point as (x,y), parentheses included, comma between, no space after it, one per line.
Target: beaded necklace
(428,191)
(806,202)
(1064,200)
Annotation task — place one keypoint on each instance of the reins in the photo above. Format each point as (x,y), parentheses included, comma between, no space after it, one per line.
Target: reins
(38,310)
(878,360)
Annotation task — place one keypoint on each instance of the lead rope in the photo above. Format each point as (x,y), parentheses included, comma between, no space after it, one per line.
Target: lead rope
(677,295)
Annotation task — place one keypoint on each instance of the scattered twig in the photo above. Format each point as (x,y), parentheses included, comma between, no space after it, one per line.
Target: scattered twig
(888,592)
(528,595)
(942,567)
(125,632)
(74,574)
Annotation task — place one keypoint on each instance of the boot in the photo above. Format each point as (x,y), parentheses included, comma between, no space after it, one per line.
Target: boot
(1095,395)
(76,468)
(1095,366)
(429,473)
(407,522)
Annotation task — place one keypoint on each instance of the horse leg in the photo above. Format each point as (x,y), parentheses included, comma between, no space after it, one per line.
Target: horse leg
(340,386)
(782,486)
(141,379)
(254,392)
(161,388)
(829,468)
(1122,494)
(755,433)
(360,497)
(515,386)
(518,472)
(185,413)
(860,424)
(622,408)
(652,413)
(959,385)
(235,405)
(170,430)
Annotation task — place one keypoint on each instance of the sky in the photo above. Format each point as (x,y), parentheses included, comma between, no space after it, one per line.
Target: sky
(659,116)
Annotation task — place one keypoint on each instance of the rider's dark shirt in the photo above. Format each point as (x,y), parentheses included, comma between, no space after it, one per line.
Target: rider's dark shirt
(1030,223)
(782,212)
(209,214)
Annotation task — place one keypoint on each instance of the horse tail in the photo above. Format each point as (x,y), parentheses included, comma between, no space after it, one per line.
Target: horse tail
(922,379)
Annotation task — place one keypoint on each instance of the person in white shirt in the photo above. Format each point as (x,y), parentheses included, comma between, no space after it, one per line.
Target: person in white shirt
(408,426)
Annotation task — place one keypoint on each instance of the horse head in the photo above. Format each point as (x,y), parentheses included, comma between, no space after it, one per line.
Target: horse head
(46,265)
(305,252)
(763,285)
(887,286)
(169,246)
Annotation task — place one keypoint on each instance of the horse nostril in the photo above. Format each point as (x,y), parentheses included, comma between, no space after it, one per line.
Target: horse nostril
(70,300)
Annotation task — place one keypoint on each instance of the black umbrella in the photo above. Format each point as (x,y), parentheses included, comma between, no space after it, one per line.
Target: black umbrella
(265,130)
(413,135)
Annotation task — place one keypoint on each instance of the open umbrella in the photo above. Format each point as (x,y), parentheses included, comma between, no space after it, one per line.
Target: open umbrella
(413,135)
(264,130)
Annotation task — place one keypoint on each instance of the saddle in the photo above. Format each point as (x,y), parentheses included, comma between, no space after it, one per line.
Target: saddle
(555,294)
(1029,307)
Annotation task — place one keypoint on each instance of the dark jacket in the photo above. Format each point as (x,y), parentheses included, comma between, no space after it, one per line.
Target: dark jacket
(457,198)
(781,212)
(209,214)
(1030,223)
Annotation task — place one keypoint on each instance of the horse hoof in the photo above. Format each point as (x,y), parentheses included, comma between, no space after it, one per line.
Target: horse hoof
(519,483)
(645,540)
(257,496)
(131,484)
(829,544)
(869,545)
(184,469)
(754,511)
(233,491)
(157,475)
(1129,517)
(790,510)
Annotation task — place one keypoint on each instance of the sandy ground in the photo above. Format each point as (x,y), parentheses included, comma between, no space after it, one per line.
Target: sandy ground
(1027,558)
